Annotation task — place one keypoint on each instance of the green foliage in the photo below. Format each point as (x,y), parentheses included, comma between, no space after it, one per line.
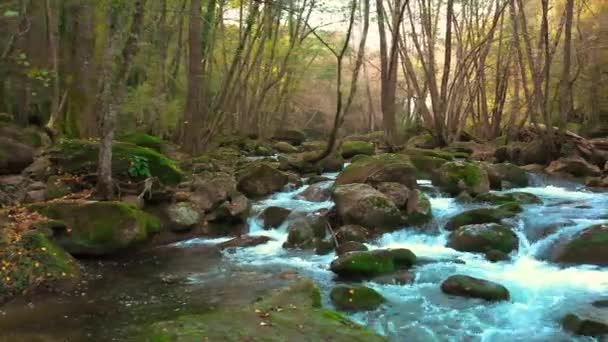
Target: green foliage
(139,167)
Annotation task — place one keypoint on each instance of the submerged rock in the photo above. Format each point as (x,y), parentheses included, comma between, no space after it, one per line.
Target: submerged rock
(355,298)
(99,228)
(380,168)
(292,314)
(484,215)
(465,286)
(273,217)
(589,246)
(372,263)
(456,177)
(352,148)
(260,179)
(484,238)
(401,277)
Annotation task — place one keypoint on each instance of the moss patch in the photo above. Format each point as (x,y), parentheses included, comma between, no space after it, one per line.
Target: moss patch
(386,167)
(143,140)
(484,215)
(353,148)
(372,263)
(355,298)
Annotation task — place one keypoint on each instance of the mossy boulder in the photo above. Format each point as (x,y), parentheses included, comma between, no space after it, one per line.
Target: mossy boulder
(589,246)
(260,179)
(292,314)
(144,140)
(273,217)
(14,156)
(484,215)
(506,176)
(352,148)
(292,136)
(456,177)
(352,232)
(363,205)
(386,167)
(368,264)
(315,193)
(285,147)
(81,157)
(307,232)
(418,208)
(350,246)
(575,166)
(234,210)
(523,153)
(355,298)
(510,197)
(466,286)
(99,228)
(34,262)
(484,238)
(182,216)
(398,193)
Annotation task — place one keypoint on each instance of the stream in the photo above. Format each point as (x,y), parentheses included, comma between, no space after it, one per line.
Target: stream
(190,277)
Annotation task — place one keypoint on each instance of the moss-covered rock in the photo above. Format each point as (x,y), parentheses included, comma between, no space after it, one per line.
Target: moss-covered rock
(14,156)
(456,177)
(363,205)
(465,286)
(32,262)
(350,246)
(590,321)
(398,193)
(355,298)
(307,232)
(144,140)
(523,153)
(292,314)
(260,179)
(352,232)
(575,166)
(285,147)
(386,167)
(273,217)
(484,238)
(99,228)
(352,148)
(368,264)
(589,246)
(506,176)
(292,136)
(510,197)
(182,216)
(484,215)
(81,157)
(418,208)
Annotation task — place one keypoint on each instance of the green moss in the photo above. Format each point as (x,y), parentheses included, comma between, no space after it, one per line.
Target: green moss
(353,148)
(484,215)
(387,167)
(355,298)
(143,140)
(445,155)
(78,156)
(512,197)
(373,263)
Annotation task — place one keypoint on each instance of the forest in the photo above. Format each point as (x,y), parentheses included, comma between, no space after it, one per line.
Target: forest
(303,170)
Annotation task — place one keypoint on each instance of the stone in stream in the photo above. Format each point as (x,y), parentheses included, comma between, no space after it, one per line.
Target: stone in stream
(505,176)
(397,192)
(273,217)
(182,216)
(483,215)
(234,210)
(517,197)
(315,193)
(244,241)
(590,321)
(456,177)
(291,314)
(575,166)
(285,147)
(370,264)
(317,179)
(387,167)
(466,286)
(350,246)
(307,232)
(483,238)
(355,298)
(589,246)
(352,232)
(363,205)
(352,148)
(260,179)
(401,277)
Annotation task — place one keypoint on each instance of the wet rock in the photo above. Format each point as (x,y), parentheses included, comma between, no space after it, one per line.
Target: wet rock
(260,179)
(333,163)
(352,232)
(401,277)
(324,246)
(465,286)
(352,148)
(455,177)
(505,176)
(398,193)
(523,153)
(209,190)
(380,168)
(483,238)
(273,217)
(497,256)
(285,147)
(244,241)
(589,246)
(305,231)
(14,156)
(234,210)
(483,215)
(355,298)
(363,205)
(315,193)
(372,263)
(99,228)
(575,166)
(418,208)
(182,216)
(350,246)
(317,179)
(591,321)
(292,136)
(517,197)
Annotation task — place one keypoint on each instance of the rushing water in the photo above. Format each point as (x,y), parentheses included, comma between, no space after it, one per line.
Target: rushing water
(541,292)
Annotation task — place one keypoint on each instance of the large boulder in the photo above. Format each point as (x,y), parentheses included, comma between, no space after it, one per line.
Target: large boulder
(355,298)
(590,321)
(210,189)
(260,179)
(379,168)
(352,232)
(182,216)
(510,197)
(307,232)
(524,153)
(483,215)
(363,205)
(484,238)
(291,136)
(465,286)
(233,211)
(456,177)
(368,264)
(128,161)
(315,193)
(575,166)
(397,192)
(418,208)
(352,148)
(589,246)
(285,147)
(273,217)
(505,176)
(14,156)
(99,228)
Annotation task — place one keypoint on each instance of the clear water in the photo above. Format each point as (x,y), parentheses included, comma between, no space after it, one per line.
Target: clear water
(541,292)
